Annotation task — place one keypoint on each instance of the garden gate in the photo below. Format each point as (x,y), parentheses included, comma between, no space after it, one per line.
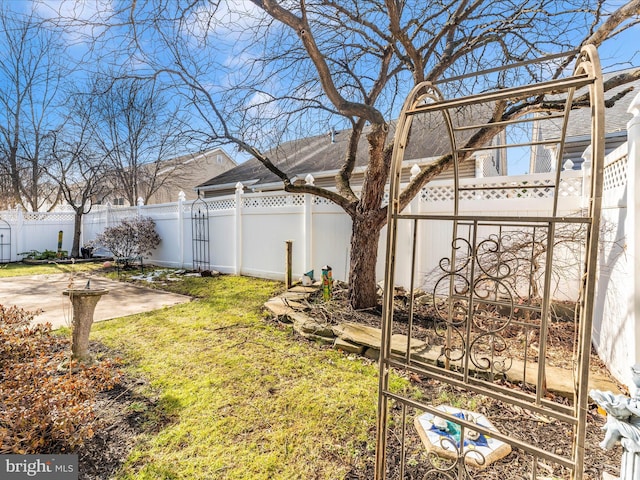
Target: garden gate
(5,242)
(499,369)
(200,235)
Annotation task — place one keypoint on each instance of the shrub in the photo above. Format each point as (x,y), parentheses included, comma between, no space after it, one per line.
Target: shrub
(131,238)
(46,255)
(42,408)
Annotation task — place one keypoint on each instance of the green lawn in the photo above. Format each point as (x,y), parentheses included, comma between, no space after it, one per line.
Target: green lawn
(246,400)
(19,269)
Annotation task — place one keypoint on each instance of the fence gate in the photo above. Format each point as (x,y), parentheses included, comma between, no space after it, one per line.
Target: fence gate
(200,235)
(488,334)
(5,242)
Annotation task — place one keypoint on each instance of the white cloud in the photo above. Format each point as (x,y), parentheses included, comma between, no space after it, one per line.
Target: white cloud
(82,19)
(259,100)
(74,10)
(229,19)
(262,109)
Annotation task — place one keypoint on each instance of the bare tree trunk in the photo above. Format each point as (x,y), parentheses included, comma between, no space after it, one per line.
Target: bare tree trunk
(77,225)
(365,236)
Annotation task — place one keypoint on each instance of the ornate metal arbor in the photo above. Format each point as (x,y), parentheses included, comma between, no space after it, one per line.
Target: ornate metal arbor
(200,235)
(491,298)
(5,241)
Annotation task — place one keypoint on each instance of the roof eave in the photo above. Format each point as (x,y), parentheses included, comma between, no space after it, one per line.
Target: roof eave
(225,186)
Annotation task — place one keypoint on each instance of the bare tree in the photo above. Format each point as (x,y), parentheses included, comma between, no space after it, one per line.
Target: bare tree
(77,166)
(136,131)
(262,72)
(30,75)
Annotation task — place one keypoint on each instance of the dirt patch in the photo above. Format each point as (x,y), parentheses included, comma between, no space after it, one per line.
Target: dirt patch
(517,465)
(105,452)
(122,416)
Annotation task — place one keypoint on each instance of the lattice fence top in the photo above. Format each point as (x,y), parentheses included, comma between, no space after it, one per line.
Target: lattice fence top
(570,187)
(615,174)
(163,209)
(224,204)
(504,190)
(10,216)
(48,216)
(121,214)
(322,201)
(271,201)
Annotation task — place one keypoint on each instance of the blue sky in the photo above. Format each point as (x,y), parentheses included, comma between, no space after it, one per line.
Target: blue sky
(612,53)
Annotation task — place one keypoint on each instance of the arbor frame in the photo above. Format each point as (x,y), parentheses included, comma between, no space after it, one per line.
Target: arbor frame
(464,311)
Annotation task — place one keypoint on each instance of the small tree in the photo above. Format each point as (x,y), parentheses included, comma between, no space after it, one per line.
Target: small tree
(132,238)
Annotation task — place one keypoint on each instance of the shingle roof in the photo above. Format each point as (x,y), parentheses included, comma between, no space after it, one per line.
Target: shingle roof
(324,154)
(616,116)
(578,136)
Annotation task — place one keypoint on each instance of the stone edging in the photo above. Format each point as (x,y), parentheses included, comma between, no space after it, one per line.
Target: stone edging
(364,340)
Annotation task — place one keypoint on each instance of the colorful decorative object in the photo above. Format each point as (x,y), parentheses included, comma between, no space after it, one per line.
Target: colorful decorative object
(60,233)
(307,278)
(327,282)
(443,437)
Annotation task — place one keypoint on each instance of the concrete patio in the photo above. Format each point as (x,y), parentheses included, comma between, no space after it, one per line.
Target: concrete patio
(44,293)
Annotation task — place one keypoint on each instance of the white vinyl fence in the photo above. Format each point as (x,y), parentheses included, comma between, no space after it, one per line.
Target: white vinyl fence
(616,333)
(248,231)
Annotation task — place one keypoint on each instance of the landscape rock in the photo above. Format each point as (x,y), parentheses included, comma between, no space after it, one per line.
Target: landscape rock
(360,334)
(279,308)
(372,354)
(348,347)
(364,340)
(315,328)
(291,295)
(316,338)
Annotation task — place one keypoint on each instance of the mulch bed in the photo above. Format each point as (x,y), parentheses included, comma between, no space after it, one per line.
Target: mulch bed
(122,414)
(507,418)
(122,422)
(104,453)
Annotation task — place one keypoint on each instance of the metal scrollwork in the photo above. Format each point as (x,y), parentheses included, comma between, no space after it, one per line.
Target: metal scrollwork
(457,244)
(459,463)
(493,259)
(474,302)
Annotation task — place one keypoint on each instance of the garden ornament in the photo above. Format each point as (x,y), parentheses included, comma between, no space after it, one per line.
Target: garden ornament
(327,282)
(623,425)
(84,301)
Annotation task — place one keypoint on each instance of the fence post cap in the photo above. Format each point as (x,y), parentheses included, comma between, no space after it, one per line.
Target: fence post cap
(634,107)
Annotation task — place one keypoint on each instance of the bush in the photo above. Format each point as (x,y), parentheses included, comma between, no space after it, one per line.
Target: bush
(44,409)
(46,255)
(131,238)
